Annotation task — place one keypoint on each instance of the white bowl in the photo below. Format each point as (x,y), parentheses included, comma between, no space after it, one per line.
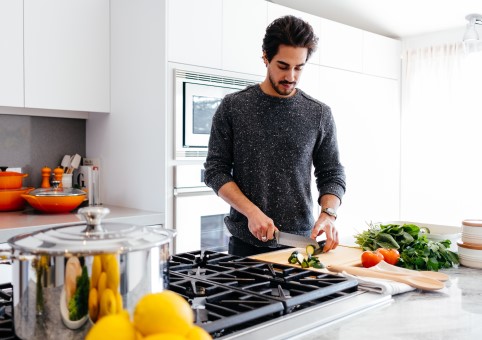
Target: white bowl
(470,263)
(470,238)
(472,227)
(470,255)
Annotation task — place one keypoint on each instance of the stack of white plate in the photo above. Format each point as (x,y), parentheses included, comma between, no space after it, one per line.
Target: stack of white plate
(470,247)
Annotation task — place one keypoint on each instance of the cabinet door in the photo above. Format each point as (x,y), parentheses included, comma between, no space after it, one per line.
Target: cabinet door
(67,54)
(195,32)
(341,46)
(275,11)
(11,53)
(242,41)
(365,109)
(309,81)
(381,56)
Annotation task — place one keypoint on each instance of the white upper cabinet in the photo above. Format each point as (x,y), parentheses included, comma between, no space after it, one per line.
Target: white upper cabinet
(195,32)
(242,38)
(309,81)
(381,56)
(67,54)
(275,11)
(341,46)
(11,53)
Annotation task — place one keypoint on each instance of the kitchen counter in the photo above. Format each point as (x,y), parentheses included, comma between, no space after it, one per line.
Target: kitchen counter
(29,220)
(455,312)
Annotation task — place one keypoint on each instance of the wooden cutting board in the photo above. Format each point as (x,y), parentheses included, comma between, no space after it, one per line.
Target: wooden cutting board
(342,255)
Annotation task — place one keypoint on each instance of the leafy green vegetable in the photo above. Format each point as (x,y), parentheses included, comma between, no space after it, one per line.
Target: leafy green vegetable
(78,303)
(416,251)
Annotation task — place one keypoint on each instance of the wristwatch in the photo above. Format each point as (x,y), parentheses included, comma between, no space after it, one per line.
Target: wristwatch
(329,211)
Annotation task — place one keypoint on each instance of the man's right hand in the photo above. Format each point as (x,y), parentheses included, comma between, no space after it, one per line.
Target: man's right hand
(261,226)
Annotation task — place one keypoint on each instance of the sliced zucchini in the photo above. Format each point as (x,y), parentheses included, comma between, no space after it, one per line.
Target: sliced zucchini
(318,265)
(310,250)
(301,259)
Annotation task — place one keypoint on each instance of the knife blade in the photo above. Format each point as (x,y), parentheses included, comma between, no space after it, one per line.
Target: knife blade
(298,241)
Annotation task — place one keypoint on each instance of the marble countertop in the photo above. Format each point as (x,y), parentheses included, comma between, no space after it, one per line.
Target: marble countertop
(454,312)
(29,220)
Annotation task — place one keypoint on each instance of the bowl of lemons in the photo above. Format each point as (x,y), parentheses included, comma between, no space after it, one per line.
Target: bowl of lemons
(164,315)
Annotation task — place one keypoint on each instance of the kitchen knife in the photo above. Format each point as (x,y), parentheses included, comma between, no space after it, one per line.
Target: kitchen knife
(298,241)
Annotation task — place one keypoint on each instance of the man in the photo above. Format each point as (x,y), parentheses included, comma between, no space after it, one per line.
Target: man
(264,140)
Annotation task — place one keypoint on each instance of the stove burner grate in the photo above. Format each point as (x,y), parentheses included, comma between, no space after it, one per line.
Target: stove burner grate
(228,293)
(6,312)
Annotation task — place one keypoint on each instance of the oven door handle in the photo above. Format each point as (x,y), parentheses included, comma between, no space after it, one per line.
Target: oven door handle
(193,191)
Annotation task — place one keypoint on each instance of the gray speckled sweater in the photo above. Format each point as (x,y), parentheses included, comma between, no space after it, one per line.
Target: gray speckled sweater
(267,146)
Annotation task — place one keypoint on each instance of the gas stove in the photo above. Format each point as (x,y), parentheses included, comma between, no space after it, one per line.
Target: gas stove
(235,297)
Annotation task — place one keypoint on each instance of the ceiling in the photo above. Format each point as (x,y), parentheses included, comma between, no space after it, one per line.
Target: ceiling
(392,18)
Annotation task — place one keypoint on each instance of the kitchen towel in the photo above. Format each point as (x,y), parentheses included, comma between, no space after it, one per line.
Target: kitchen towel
(380,286)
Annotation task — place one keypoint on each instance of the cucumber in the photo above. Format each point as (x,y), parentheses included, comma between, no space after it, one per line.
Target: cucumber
(310,249)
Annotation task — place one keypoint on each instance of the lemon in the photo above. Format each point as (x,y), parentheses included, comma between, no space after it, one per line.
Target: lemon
(93,304)
(165,312)
(198,333)
(102,285)
(164,336)
(96,270)
(118,301)
(116,326)
(108,303)
(104,258)
(112,272)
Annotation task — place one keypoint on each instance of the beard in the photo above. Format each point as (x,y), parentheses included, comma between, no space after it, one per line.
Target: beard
(279,89)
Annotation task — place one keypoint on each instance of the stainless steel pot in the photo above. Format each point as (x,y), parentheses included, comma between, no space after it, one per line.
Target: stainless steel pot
(57,272)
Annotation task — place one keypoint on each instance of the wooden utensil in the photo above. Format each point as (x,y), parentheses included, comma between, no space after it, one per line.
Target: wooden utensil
(416,281)
(386,267)
(65,163)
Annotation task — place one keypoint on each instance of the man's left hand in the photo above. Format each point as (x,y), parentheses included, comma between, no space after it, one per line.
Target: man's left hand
(326,224)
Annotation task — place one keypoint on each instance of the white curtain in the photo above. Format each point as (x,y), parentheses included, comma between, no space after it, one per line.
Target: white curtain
(441,139)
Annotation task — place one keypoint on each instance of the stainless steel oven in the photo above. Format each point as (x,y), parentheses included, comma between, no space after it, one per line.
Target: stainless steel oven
(197,96)
(198,212)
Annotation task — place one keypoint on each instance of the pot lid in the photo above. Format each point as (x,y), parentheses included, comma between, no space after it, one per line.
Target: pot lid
(5,173)
(55,191)
(92,237)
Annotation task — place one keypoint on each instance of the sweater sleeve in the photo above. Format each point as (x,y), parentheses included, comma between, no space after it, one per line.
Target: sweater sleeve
(329,172)
(219,161)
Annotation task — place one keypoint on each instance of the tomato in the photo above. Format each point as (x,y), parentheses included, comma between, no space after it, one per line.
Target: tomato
(389,255)
(370,258)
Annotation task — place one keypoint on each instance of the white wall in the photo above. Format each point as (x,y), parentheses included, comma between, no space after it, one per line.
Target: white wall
(130,140)
(431,39)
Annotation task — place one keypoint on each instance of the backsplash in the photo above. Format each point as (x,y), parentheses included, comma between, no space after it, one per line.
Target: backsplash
(32,142)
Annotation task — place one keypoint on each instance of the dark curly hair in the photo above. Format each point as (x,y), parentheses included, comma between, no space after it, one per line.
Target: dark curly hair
(291,31)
